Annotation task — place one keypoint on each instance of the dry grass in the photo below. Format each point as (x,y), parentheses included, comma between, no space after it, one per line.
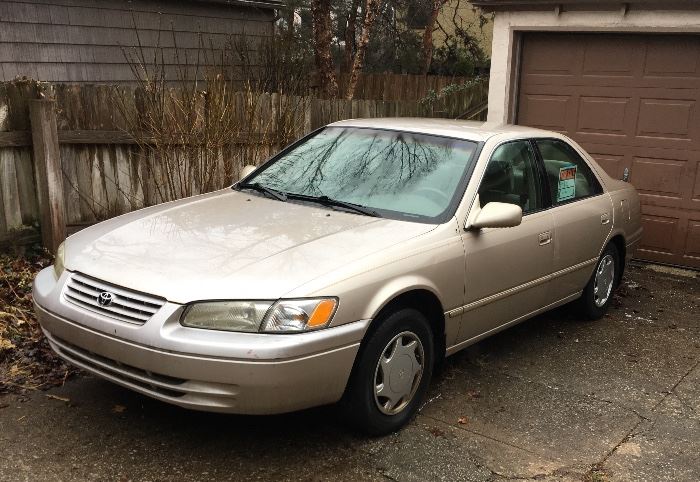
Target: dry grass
(26,361)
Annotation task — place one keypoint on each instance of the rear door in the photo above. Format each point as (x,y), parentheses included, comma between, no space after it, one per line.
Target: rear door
(582,215)
(507,268)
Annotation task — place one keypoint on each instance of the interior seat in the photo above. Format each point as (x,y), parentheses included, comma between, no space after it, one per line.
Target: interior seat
(504,182)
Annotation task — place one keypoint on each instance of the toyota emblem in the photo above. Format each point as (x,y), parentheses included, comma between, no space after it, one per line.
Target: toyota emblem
(105,298)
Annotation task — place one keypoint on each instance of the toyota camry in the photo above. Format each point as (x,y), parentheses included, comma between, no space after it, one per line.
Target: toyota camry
(341,270)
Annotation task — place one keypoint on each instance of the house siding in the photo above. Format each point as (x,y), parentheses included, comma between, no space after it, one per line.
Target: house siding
(83,41)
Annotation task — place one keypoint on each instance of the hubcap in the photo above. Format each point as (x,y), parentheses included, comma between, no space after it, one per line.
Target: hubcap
(398,373)
(604,276)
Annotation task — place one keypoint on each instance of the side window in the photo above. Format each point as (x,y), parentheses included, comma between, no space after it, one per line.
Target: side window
(569,176)
(511,177)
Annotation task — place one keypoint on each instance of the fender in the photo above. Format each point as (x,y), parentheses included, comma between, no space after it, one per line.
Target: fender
(395,288)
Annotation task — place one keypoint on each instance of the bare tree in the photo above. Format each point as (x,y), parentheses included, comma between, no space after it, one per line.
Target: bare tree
(350,30)
(428,34)
(288,16)
(371,10)
(321,13)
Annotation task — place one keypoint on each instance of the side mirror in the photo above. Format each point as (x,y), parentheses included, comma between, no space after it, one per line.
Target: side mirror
(246,171)
(498,215)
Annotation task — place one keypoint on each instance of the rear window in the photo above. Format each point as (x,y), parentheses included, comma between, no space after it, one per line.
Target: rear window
(569,176)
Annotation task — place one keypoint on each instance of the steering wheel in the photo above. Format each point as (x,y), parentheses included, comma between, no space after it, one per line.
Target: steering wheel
(433,194)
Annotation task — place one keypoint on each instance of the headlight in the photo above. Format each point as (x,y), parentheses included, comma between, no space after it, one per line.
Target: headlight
(58,261)
(300,315)
(226,315)
(267,316)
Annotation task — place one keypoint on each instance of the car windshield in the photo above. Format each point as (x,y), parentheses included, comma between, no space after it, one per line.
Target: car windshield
(397,174)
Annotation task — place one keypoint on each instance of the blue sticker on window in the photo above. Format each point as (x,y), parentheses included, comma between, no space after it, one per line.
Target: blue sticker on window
(567,183)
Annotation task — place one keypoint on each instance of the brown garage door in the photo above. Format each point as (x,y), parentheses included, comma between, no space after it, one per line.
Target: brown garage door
(632,101)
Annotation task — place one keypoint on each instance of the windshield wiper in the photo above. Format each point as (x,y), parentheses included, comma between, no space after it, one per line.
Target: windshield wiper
(326,201)
(256,186)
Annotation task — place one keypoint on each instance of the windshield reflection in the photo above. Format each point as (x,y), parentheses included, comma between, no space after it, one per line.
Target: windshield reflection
(407,173)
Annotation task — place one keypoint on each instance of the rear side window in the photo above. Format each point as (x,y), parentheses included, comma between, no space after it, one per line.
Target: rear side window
(568,175)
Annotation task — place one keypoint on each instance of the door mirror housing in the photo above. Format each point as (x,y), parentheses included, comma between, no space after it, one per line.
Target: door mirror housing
(497,215)
(247,171)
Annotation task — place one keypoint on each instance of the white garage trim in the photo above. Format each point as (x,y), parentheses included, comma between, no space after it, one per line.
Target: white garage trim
(508,24)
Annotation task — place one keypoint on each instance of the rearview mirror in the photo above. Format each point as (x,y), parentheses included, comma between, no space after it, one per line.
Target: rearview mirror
(498,215)
(246,171)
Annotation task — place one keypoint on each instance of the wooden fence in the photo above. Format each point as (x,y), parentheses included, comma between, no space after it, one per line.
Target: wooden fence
(68,159)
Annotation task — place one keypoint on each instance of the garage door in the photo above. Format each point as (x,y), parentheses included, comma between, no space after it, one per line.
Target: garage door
(632,102)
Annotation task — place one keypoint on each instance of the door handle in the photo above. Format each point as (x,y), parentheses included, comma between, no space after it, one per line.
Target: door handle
(545,238)
(605,218)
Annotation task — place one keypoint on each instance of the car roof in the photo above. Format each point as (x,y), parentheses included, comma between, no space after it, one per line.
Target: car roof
(461,129)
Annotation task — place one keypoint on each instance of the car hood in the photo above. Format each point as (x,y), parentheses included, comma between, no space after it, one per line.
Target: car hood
(229,245)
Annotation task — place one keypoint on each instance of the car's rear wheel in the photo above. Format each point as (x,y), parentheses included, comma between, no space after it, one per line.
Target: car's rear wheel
(392,373)
(599,291)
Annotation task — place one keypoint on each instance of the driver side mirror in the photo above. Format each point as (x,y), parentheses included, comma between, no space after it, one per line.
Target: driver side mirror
(246,171)
(497,215)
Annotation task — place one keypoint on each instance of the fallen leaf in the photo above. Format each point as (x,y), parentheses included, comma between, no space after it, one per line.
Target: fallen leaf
(118,409)
(26,361)
(6,344)
(462,420)
(436,432)
(56,397)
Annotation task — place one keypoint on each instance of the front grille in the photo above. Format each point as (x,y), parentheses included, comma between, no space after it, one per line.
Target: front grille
(125,305)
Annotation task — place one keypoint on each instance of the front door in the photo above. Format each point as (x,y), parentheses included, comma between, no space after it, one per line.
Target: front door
(507,268)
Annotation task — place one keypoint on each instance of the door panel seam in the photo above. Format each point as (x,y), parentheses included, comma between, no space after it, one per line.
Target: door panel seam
(463,344)
(517,289)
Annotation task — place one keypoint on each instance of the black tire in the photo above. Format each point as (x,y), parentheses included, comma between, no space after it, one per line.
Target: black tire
(592,297)
(360,405)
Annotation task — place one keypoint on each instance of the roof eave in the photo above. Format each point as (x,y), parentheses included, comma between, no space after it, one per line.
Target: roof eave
(268,4)
(500,5)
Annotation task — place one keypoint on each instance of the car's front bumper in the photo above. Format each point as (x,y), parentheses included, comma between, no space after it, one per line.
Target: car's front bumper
(200,369)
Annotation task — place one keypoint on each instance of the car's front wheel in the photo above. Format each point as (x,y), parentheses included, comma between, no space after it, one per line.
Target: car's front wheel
(392,373)
(599,291)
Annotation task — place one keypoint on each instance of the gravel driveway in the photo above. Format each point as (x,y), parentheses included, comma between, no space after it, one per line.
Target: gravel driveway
(555,398)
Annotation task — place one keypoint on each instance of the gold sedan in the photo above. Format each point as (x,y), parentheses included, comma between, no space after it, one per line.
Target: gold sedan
(342,269)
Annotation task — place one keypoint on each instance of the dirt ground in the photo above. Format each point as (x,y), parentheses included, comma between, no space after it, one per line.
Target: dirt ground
(555,398)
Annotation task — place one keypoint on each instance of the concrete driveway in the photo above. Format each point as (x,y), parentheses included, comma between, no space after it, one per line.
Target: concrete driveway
(555,398)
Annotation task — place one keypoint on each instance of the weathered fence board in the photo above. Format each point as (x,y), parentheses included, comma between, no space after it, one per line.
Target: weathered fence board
(10,190)
(15,139)
(48,173)
(25,185)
